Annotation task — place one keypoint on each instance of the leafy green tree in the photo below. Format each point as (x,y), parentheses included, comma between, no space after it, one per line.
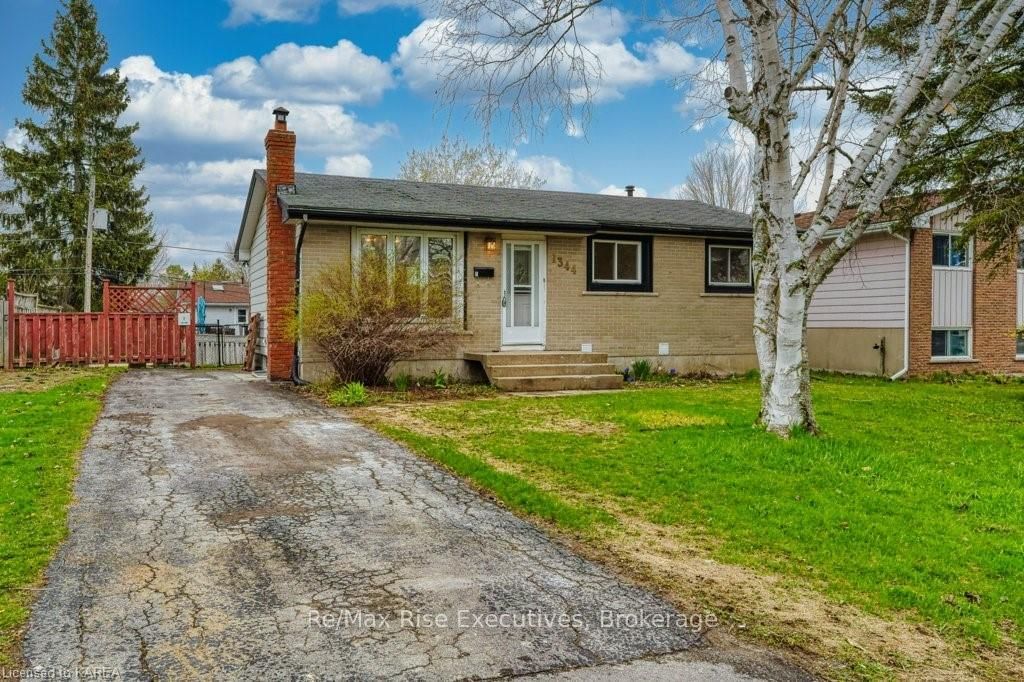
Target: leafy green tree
(42,227)
(217,271)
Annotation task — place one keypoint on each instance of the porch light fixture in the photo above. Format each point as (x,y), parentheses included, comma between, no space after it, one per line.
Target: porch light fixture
(490,243)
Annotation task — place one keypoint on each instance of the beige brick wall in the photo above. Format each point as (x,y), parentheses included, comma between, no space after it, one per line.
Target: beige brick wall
(323,246)
(706,332)
(711,332)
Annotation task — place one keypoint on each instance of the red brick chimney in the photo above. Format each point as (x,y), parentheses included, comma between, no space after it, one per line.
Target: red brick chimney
(280,146)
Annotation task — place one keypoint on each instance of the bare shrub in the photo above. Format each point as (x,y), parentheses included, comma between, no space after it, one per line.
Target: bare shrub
(365,320)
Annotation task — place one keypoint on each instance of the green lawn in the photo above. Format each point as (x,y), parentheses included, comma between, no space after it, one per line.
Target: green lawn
(45,418)
(912,501)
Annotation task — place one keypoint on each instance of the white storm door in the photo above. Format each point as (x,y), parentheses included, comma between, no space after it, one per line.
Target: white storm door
(523,294)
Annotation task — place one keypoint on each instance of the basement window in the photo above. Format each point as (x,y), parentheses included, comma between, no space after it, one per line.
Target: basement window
(951,343)
(619,264)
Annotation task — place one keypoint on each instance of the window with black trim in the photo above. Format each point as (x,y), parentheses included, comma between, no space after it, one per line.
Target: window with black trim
(727,267)
(619,263)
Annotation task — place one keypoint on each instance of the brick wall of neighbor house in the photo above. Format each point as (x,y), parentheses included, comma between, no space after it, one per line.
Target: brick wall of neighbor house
(280,147)
(994,314)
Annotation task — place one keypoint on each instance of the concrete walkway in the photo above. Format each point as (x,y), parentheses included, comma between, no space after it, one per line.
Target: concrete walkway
(224,527)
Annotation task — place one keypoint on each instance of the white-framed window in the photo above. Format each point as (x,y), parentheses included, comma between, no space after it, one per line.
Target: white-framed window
(947,252)
(729,266)
(616,261)
(951,343)
(435,256)
(241,317)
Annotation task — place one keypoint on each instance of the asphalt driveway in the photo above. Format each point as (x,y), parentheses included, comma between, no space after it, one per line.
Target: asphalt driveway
(225,527)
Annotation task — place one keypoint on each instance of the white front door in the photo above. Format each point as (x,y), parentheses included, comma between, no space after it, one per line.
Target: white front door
(523,294)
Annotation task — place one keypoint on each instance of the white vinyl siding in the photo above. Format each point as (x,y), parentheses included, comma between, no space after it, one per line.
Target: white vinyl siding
(866,288)
(951,298)
(258,279)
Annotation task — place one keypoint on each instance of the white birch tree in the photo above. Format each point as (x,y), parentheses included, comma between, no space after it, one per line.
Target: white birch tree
(525,60)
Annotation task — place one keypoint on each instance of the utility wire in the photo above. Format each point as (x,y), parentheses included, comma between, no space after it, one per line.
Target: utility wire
(162,246)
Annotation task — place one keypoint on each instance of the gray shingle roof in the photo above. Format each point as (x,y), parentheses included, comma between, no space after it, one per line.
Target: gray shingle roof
(343,197)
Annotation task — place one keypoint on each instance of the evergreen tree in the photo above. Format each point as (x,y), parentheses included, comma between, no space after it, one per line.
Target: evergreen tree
(43,219)
(975,155)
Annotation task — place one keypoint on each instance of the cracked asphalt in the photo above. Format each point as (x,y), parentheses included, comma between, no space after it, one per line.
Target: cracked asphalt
(225,527)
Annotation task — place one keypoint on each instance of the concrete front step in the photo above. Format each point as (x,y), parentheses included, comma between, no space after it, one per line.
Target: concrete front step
(559,383)
(511,371)
(538,358)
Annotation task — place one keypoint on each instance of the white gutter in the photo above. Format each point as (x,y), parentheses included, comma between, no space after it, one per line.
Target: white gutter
(906,310)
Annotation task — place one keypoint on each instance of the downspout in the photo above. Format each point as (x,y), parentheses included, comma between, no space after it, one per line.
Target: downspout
(296,379)
(906,309)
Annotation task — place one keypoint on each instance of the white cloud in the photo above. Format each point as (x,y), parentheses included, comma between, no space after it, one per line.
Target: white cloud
(556,175)
(16,139)
(573,129)
(213,174)
(366,6)
(180,189)
(601,23)
(350,164)
(245,11)
(616,191)
(180,107)
(177,234)
(601,36)
(411,56)
(311,73)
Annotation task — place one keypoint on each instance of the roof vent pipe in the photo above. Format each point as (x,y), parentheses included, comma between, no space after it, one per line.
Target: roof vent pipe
(630,189)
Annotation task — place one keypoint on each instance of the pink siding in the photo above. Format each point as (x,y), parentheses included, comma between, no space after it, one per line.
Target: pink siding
(866,289)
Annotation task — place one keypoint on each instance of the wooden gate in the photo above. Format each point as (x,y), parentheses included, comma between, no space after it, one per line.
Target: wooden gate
(138,326)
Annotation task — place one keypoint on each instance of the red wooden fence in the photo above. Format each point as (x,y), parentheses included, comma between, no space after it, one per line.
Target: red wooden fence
(138,325)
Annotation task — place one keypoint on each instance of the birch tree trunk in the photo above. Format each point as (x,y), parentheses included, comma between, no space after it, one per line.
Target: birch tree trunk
(775,55)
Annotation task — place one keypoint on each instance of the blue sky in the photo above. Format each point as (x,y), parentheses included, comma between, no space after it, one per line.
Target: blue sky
(204,75)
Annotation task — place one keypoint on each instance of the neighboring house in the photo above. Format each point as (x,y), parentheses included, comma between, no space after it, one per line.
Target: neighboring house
(594,275)
(227,303)
(917,304)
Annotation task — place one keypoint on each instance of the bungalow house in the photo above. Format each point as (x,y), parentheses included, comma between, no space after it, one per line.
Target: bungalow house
(917,303)
(596,282)
(592,281)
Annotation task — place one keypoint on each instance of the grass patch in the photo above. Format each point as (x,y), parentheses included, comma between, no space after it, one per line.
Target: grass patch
(43,427)
(912,503)
(507,487)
